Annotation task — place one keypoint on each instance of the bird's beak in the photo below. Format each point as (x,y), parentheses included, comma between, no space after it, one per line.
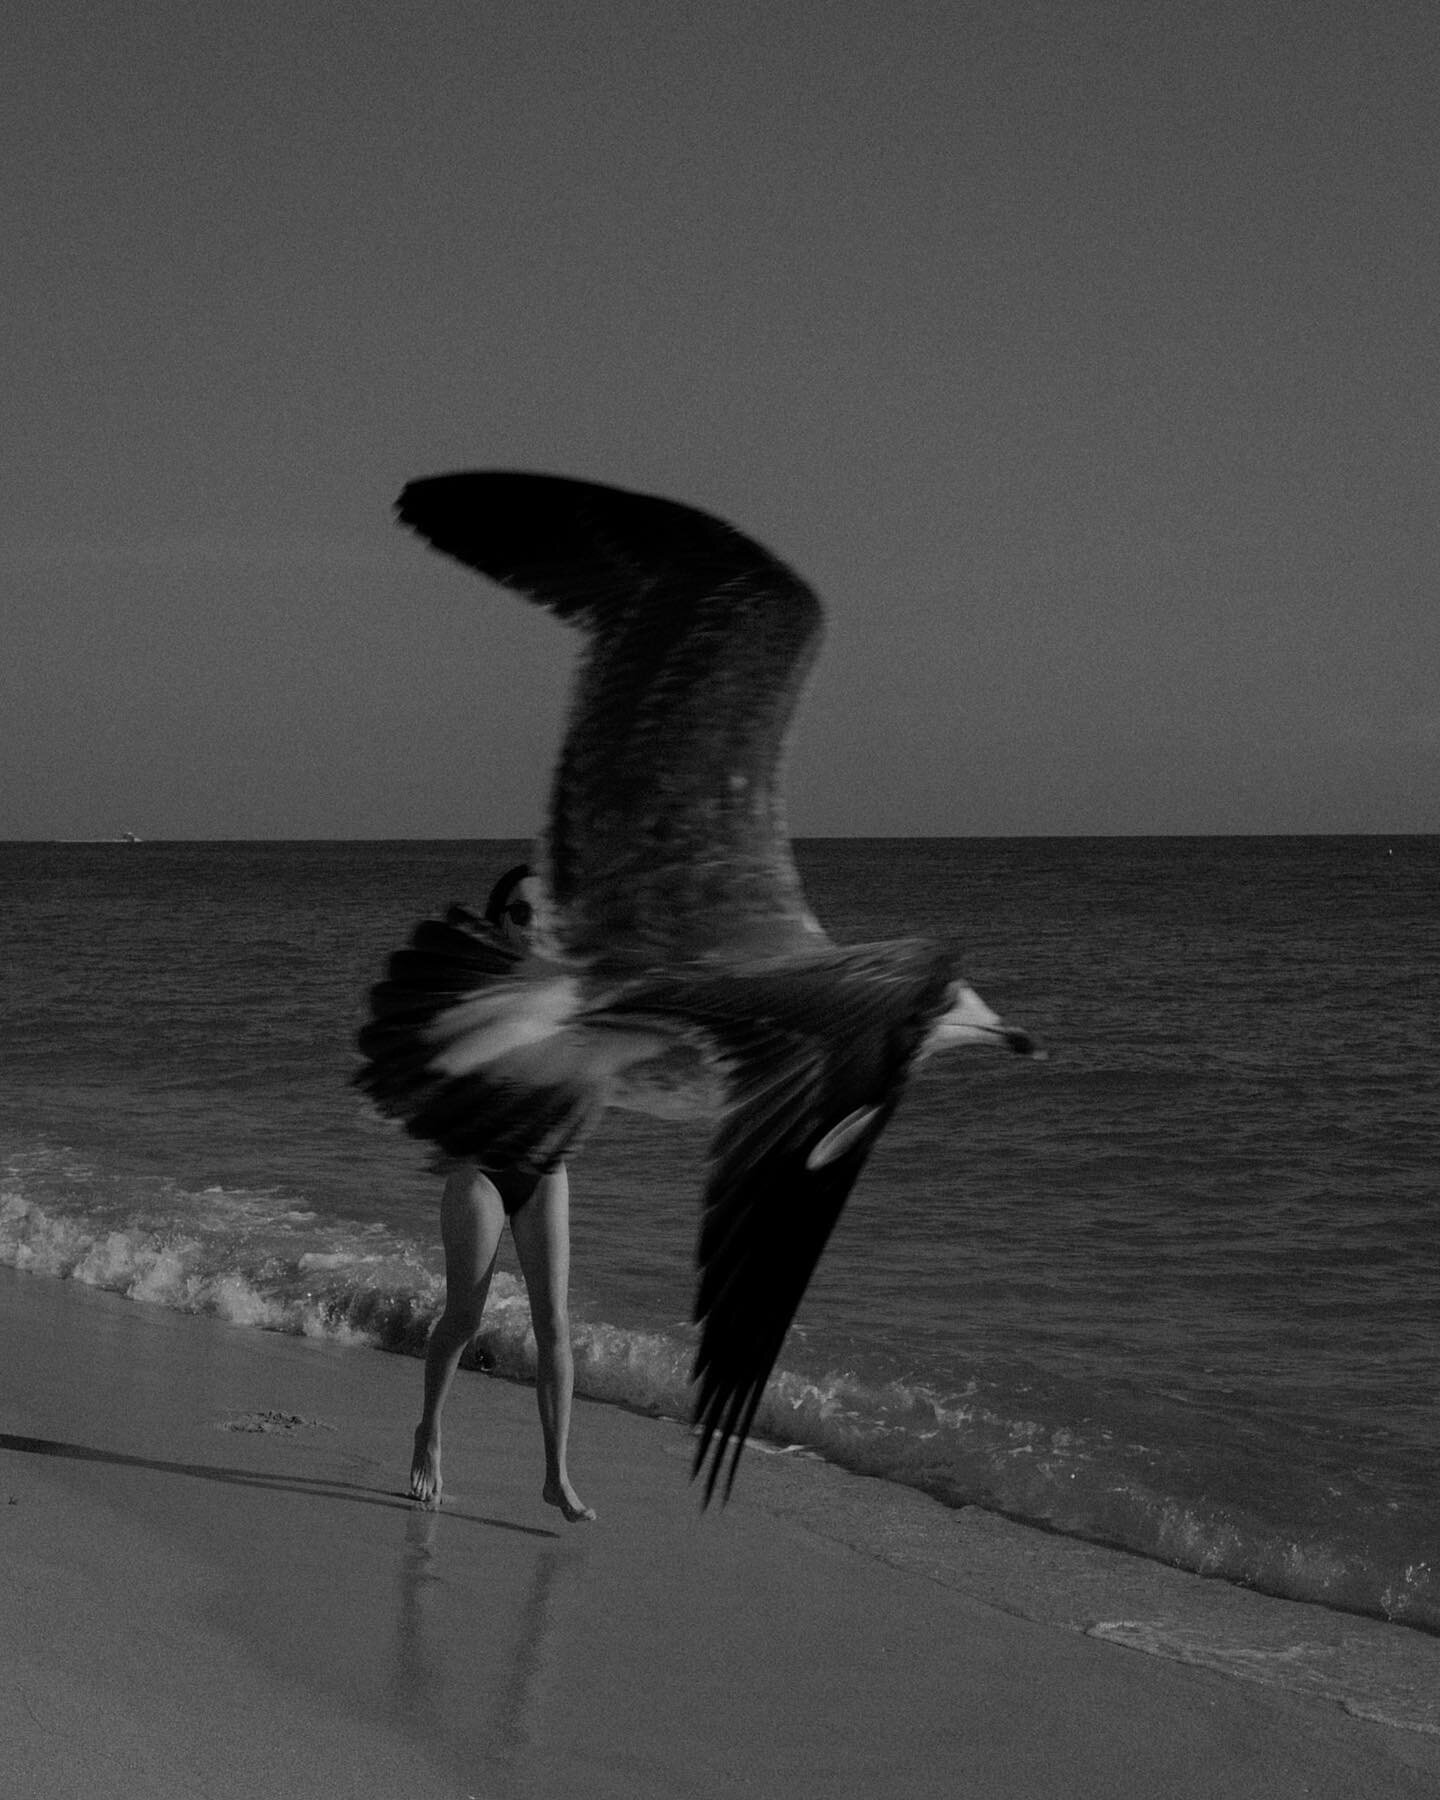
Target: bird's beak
(971,1021)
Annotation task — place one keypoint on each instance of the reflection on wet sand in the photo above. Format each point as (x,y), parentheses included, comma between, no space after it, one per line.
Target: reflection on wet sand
(505,1716)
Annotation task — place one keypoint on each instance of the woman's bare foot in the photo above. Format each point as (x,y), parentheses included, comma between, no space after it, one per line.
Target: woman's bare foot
(425,1483)
(561,1494)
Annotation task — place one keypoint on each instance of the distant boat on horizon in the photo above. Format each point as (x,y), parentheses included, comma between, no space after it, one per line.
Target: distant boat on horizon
(124,837)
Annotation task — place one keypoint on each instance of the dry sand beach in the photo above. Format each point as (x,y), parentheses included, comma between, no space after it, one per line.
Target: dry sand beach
(213,1587)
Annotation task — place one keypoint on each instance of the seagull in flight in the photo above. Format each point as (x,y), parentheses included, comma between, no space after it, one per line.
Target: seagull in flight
(675,967)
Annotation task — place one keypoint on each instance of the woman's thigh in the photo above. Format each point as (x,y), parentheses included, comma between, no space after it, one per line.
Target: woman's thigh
(541,1229)
(472,1217)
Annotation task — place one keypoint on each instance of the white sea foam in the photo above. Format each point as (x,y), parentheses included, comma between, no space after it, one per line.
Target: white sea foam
(1368,1672)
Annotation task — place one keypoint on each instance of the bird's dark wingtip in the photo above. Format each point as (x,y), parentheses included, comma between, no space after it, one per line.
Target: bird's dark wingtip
(711,1474)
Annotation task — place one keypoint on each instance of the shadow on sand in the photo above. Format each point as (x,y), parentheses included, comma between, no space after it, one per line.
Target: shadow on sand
(317,1487)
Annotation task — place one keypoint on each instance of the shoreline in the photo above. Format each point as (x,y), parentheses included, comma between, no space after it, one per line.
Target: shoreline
(616,1365)
(1076,1559)
(215,1583)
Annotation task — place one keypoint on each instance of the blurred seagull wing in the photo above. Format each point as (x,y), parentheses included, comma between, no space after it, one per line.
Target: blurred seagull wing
(666,837)
(481,1051)
(817,1053)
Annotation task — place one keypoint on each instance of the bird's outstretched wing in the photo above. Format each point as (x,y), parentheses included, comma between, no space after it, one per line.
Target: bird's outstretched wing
(665,840)
(767,1220)
(469,1045)
(818,1054)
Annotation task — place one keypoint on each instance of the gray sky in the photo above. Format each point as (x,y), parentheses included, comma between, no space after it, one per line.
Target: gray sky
(1083,354)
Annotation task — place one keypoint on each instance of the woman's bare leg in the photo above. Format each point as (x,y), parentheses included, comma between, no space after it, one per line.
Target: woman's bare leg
(472,1218)
(541,1230)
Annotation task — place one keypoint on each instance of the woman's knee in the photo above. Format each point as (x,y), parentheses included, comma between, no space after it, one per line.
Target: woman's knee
(551,1327)
(461,1318)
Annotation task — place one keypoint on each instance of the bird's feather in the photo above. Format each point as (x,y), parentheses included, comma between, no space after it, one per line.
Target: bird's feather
(470,1045)
(665,838)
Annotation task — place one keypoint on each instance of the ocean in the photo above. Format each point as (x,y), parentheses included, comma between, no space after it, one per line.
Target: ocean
(1175,1290)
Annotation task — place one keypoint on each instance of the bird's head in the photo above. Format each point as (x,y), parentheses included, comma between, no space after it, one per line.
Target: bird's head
(968,1020)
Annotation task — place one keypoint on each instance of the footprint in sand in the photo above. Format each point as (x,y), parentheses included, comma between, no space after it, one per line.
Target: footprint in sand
(270,1421)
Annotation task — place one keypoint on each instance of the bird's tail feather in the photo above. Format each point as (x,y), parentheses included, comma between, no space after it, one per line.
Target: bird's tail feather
(472,1045)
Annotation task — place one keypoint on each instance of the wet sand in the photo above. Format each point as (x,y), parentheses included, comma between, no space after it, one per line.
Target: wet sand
(213,1585)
